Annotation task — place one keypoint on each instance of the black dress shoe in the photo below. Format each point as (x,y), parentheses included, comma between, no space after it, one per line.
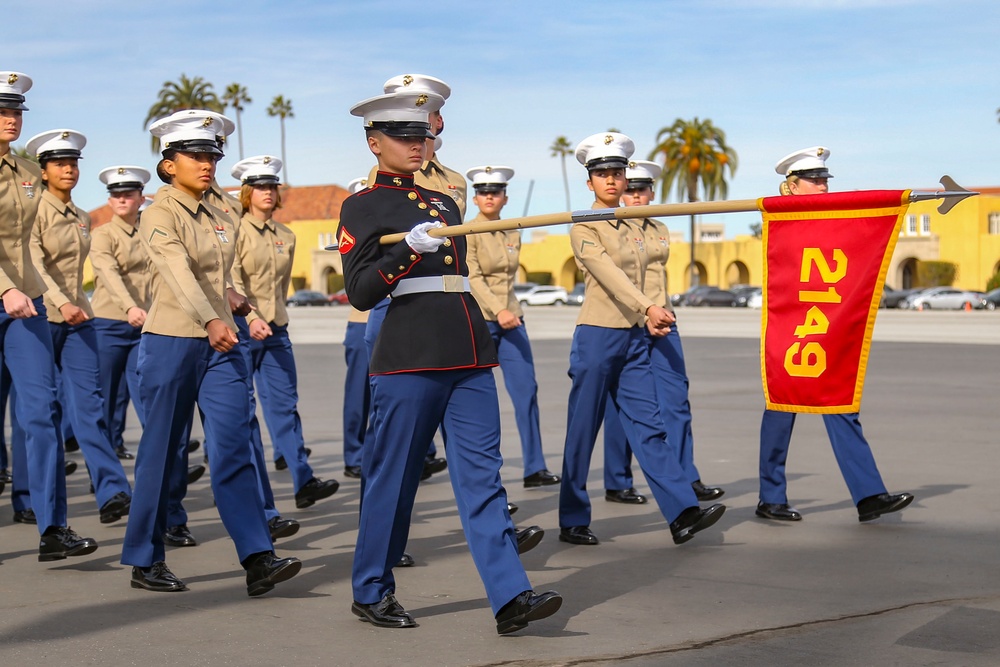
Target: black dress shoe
(873,507)
(406,561)
(282,527)
(313,490)
(3,485)
(525,608)
(629,496)
(5,476)
(179,536)
(694,520)
(529,538)
(432,466)
(511,508)
(195,472)
(778,511)
(264,570)
(193,445)
(70,467)
(706,493)
(71,445)
(117,507)
(25,516)
(386,613)
(541,478)
(157,578)
(280,463)
(61,542)
(354,472)
(577,535)
(123,453)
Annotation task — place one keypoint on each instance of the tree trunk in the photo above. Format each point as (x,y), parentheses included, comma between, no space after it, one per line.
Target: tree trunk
(693,197)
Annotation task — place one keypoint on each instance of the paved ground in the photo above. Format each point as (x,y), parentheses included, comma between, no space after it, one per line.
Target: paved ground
(918,588)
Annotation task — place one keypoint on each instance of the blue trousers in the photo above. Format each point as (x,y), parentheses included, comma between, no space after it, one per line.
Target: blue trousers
(375,318)
(853,454)
(26,351)
(174,374)
(75,349)
(118,343)
(614,363)
(273,366)
(666,356)
(409,407)
(518,366)
(357,392)
(20,491)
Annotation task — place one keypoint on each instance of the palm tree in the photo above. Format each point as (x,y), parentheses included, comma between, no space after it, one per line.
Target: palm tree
(282,108)
(694,152)
(187,93)
(561,148)
(235,97)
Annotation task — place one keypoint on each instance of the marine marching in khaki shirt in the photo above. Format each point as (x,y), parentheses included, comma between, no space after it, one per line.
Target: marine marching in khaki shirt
(265,251)
(60,241)
(122,270)
(493,260)
(612,256)
(20,191)
(657,243)
(190,290)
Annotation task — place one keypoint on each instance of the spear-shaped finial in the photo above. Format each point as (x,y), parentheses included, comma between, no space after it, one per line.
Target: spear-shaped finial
(952,194)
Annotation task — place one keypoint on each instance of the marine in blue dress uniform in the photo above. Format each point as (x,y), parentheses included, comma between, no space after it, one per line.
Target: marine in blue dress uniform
(666,355)
(25,339)
(609,358)
(191,324)
(805,172)
(431,365)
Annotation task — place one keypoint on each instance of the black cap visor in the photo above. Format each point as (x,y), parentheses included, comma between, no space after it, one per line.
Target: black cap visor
(261,179)
(820,172)
(195,146)
(403,129)
(11,101)
(489,188)
(639,183)
(609,162)
(59,154)
(124,186)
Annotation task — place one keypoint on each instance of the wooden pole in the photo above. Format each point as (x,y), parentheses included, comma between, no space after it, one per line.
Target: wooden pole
(569,217)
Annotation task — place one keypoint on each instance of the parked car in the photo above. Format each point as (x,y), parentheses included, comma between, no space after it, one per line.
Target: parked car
(683,299)
(544,295)
(576,296)
(743,294)
(893,298)
(990,300)
(943,298)
(340,298)
(521,288)
(756,300)
(713,296)
(307,297)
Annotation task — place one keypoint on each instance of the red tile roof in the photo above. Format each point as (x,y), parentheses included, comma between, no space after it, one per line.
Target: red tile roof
(311,202)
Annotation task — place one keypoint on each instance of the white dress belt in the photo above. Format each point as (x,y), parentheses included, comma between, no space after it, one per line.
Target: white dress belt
(431,284)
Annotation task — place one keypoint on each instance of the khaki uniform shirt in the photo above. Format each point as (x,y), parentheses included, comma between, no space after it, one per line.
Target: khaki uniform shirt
(493,263)
(122,270)
(20,191)
(657,240)
(612,256)
(265,251)
(60,242)
(435,176)
(192,246)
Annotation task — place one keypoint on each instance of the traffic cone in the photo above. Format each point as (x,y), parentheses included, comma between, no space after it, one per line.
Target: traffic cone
(967,307)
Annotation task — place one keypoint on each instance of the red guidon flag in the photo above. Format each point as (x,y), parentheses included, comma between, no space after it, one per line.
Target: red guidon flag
(825,260)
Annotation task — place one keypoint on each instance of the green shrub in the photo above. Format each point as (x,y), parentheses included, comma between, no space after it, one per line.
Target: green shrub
(936,274)
(334,282)
(993,282)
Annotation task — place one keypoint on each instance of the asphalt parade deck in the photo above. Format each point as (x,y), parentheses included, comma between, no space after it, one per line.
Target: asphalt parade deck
(915,588)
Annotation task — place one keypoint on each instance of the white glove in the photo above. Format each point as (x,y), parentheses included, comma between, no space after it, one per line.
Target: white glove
(420,241)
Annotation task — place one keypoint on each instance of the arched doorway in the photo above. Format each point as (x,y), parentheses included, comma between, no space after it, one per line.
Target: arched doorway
(569,275)
(331,281)
(737,273)
(908,273)
(701,275)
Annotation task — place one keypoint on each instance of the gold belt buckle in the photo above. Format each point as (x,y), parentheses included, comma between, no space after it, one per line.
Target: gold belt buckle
(453,283)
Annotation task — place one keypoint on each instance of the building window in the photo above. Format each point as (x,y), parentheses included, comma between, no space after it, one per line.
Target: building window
(994,223)
(911,225)
(925,224)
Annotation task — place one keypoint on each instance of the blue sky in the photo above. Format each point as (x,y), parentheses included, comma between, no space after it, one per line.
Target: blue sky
(901,91)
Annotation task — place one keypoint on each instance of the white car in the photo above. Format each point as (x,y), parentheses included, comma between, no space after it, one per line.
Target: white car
(756,300)
(543,295)
(943,298)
